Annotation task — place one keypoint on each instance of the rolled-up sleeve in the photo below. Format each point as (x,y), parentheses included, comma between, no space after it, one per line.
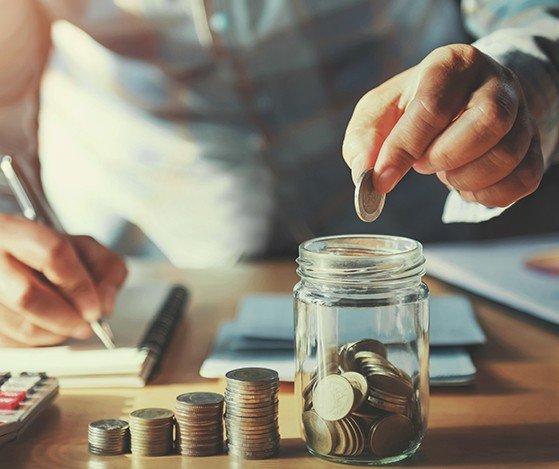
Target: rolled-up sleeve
(523,35)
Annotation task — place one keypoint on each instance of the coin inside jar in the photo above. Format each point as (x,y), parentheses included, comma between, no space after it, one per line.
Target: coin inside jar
(368,202)
(391,435)
(333,397)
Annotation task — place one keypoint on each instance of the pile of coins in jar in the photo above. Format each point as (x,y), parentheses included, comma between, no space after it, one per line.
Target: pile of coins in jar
(366,407)
(195,428)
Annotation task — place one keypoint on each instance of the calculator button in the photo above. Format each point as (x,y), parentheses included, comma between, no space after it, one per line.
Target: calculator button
(19,395)
(9,403)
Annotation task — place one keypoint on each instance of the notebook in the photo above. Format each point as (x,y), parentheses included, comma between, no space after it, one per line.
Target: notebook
(500,270)
(262,335)
(144,319)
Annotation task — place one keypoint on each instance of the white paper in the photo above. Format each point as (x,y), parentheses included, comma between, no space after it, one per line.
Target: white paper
(134,310)
(496,269)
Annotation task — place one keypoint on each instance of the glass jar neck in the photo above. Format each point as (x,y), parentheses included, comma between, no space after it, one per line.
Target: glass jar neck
(361,263)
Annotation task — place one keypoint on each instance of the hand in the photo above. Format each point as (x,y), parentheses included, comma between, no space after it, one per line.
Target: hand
(79,282)
(458,114)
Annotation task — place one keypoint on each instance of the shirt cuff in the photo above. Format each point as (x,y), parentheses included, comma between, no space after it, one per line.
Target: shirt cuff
(458,210)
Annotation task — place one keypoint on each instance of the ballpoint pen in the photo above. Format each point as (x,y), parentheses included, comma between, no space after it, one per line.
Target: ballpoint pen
(34,208)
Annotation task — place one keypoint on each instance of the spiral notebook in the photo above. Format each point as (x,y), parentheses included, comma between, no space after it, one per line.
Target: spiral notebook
(143,322)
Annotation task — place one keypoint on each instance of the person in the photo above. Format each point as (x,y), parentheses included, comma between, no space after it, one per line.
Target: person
(214,129)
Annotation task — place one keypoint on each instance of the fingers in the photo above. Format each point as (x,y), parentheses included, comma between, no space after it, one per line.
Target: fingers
(24,332)
(489,115)
(524,180)
(497,163)
(22,292)
(446,79)
(106,267)
(374,117)
(51,253)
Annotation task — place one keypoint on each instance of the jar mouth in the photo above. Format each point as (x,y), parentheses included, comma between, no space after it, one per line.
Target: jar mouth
(360,259)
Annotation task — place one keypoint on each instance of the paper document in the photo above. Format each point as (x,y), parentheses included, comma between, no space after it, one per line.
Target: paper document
(262,335)
(88,363)
(498,270)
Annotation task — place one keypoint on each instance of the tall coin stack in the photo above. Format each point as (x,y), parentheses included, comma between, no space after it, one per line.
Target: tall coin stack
(199,423)
(251,418)
(108,437)
(151,431)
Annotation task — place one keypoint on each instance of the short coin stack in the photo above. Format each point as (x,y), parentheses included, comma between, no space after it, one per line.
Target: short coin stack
(251,417)
(367,408)
(108,437)
(151,431)
(199,424)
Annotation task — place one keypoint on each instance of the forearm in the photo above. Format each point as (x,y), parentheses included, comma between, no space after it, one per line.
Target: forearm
(524,36)
(24,40)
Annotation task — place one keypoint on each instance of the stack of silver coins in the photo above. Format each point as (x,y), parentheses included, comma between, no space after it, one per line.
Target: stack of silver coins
(108,437)
(199,418)
(251,418)
(151,431)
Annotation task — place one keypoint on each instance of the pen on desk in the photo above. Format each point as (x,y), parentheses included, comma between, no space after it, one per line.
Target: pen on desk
(33,208)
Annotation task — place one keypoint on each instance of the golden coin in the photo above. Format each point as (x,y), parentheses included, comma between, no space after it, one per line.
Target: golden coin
(333,397)
(391,435)
(318,433)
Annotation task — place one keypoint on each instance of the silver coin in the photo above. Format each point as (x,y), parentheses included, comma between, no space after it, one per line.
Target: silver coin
(253,375)
(368,202)
(200,398)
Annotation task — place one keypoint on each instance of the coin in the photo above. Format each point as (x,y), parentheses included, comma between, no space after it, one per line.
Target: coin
(151,431)
(391,435)
(251,413)
(253,376)
(368,202)
(108,437)
(199,427)
(333,397)
(359,384)
(200,399)
(373,416)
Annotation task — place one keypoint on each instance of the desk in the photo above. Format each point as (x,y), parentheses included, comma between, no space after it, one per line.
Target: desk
(510,418)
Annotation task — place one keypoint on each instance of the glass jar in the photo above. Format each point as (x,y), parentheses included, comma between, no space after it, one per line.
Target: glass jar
(362,347)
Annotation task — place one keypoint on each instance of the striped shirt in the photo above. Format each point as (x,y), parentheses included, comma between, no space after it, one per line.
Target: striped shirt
(215,126)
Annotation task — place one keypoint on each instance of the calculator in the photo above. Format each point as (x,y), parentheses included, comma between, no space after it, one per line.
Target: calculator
(23,396)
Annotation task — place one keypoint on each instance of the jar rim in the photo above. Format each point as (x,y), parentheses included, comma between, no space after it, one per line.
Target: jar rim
(413,245)
(361,259)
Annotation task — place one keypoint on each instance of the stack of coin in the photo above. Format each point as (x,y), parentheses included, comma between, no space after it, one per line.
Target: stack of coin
(151,431)
(366,408)
(199,423)
(251,417)
(108,437)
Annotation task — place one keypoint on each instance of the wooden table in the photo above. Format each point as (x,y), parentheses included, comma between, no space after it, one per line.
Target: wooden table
(510,418)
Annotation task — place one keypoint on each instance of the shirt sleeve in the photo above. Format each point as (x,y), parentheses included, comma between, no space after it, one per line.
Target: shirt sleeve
(523,35)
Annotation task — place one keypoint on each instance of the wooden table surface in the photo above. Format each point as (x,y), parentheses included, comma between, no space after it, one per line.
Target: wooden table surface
(509,418)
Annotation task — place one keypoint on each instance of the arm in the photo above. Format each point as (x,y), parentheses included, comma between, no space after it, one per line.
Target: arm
(466,117)
(524,37)
(82,276)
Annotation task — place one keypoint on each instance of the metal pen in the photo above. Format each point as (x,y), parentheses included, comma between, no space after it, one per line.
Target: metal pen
(35,208)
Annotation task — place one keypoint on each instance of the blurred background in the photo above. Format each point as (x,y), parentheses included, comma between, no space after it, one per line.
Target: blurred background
(209,132)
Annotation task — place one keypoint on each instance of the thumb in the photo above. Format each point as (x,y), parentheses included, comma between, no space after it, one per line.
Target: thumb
(375,115)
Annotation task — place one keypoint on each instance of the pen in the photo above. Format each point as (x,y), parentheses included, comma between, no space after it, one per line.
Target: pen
(34,209)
